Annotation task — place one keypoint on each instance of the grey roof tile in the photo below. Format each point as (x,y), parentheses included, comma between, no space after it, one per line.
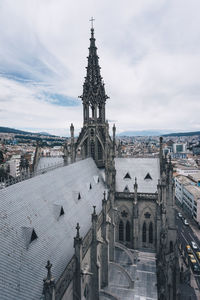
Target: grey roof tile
(137,167)
(31,204)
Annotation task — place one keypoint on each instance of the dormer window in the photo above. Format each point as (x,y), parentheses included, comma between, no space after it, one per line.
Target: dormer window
(29,235)
(148,176)
(126,189)
(127,176)
(61,211)
(33,236)
(58,210)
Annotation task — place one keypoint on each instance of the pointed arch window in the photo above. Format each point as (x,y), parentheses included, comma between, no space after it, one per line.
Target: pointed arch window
(171,248)
(100,151)
(128,231)
(92,132)
(121,231)
(92,149)
(144,232)
(151,233)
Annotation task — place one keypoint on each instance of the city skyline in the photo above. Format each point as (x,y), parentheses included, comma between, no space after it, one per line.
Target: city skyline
(149,54)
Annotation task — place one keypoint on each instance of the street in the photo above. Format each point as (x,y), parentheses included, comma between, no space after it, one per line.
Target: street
(185,237)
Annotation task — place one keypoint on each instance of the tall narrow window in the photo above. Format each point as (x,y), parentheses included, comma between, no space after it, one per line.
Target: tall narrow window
(144,231)
(171,248)
(128,231)
(100,154)
(92,150)
(121,231)
(151,233)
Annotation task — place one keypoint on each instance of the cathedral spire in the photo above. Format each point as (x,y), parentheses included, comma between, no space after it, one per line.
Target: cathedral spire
(94,96)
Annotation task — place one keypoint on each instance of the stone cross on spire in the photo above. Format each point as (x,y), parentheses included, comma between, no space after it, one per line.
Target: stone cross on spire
(92,20)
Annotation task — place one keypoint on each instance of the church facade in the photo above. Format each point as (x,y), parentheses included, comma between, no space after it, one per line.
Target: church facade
(92,219)
(140,189)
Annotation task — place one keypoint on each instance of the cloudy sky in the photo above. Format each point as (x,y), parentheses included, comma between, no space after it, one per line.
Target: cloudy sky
(149,55)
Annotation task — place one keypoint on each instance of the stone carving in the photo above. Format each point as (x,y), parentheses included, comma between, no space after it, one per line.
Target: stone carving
(124,214)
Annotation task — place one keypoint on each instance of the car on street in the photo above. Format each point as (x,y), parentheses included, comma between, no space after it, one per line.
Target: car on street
(195,268)
(188,249)
(185,222)
(194,246)
(198,255)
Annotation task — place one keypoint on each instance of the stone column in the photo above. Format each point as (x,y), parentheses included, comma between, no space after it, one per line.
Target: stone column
(77,288)
(105,258)
(49,284)
(135,217)
(112,227)
(94,257)
(72,144)
(114,141)
(161,155)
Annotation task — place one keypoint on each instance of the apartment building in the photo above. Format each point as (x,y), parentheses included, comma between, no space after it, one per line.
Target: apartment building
(187,194)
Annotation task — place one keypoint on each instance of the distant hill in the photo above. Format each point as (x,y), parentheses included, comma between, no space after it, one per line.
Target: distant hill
(17,131)
(140,133)
(183,133)
(13,130)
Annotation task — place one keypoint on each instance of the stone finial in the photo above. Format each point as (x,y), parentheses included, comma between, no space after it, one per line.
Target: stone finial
(94,211)
(135,184)
(77,230)
(48,267)
(49,284)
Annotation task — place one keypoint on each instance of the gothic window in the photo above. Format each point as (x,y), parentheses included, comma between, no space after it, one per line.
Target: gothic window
(128,231)
(79,196)
(92,149)
(147,215)
(144,231)
(171,248)
(121,231)
(86,147)
(124,214)
(100,154)
(151,233)
(92,132)
(127,176)
(93,110)
(100,117)
(86,292)
(148,176)
(85,113)
(90,186)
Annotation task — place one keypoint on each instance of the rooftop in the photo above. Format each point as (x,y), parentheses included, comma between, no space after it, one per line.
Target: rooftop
(147,171)
(37,223)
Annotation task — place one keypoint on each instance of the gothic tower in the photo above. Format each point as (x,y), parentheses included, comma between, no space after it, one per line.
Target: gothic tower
(94,139)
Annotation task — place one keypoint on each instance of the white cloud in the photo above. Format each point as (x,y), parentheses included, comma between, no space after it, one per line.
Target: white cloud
(149,54)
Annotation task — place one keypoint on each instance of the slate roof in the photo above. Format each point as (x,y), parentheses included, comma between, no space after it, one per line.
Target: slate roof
(45,162)
(35,204)
(137,167)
